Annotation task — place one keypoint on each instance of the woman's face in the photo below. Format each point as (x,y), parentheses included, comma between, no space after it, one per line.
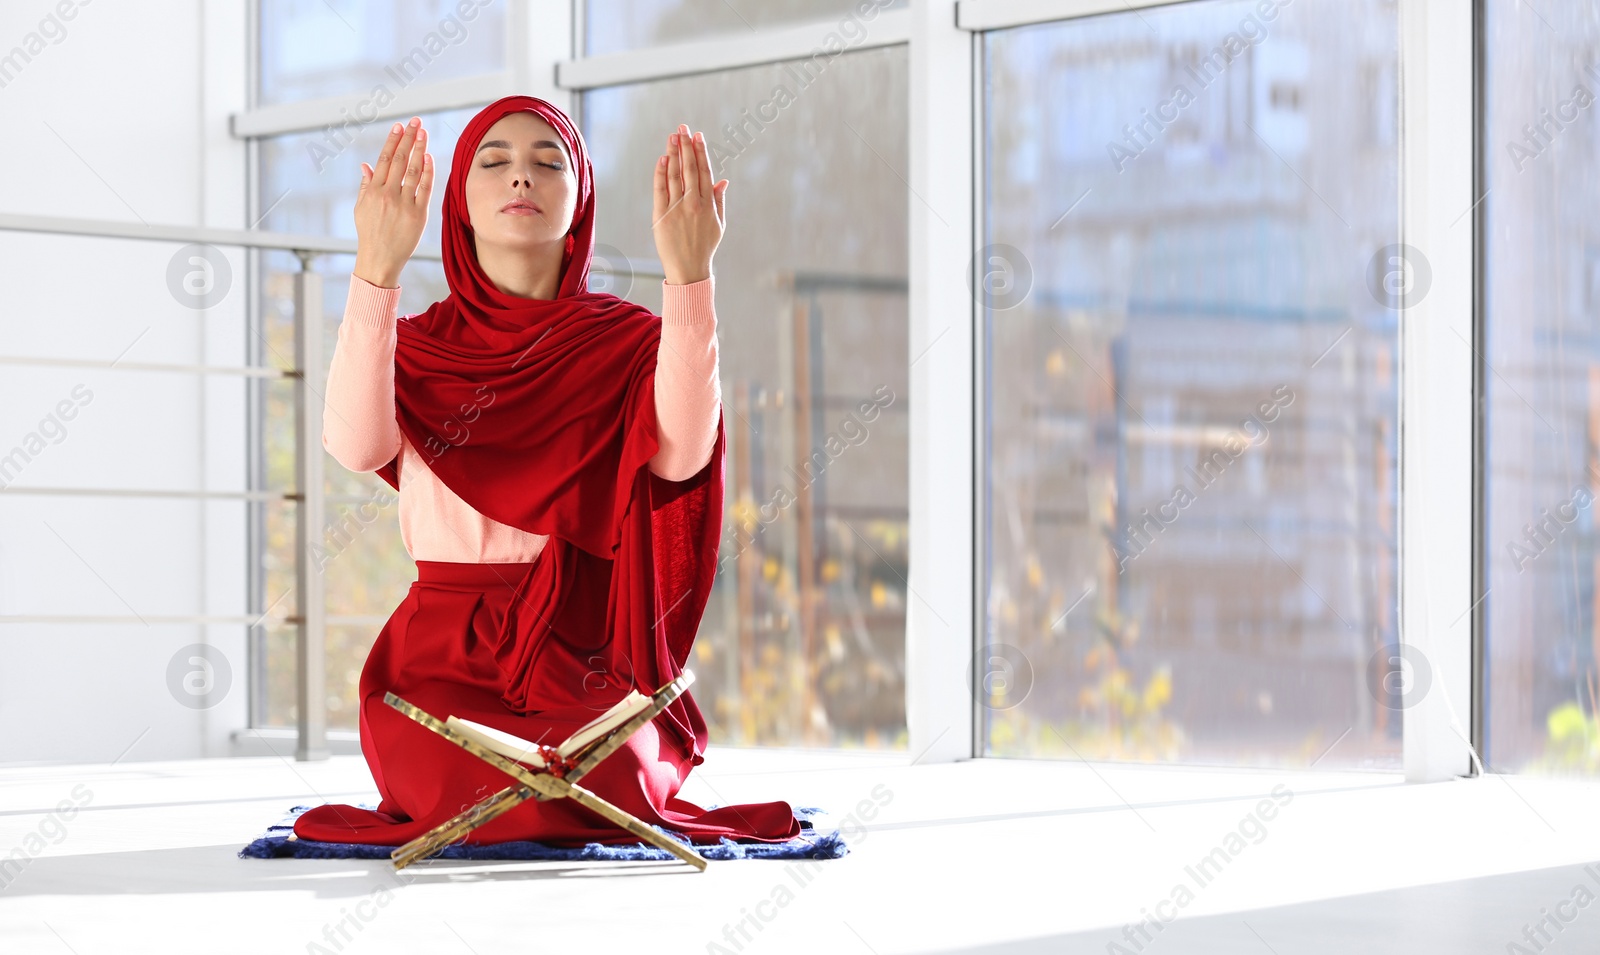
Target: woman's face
(521,157)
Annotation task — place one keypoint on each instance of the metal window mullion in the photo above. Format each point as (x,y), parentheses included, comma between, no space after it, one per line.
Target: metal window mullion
(1436,385)
(940,605)
(1477,726)
(255,397)
(733,51)
(420,99)
(542,35)
(981,470)
(579,32)
(1001,14)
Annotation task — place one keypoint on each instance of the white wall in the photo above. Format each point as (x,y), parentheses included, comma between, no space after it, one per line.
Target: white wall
(123,115)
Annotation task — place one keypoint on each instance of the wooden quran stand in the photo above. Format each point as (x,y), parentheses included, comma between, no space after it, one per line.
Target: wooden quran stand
(542,784)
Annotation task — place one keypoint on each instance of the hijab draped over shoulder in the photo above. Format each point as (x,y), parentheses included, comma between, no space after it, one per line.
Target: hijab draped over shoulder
(540,414)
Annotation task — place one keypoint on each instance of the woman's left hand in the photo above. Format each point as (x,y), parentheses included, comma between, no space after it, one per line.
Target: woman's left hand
(689,210)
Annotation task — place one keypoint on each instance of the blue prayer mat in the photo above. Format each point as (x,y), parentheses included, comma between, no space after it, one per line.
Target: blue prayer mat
(809,844)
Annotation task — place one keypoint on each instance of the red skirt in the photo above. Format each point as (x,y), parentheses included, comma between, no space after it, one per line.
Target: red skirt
(436,651)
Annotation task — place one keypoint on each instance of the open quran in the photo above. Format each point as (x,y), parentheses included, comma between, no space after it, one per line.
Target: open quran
(540,772)
(524,751)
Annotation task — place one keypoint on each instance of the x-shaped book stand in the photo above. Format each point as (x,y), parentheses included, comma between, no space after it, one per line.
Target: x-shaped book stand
(558,779)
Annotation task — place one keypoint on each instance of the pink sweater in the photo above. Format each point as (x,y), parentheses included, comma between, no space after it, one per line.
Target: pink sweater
(360,431)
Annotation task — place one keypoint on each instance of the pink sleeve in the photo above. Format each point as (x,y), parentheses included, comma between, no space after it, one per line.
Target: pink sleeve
(358,417)
(688,387)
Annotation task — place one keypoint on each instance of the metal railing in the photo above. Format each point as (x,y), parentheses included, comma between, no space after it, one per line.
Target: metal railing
(309,372)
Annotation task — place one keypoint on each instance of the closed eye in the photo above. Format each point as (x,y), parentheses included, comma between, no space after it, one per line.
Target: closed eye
(491,165)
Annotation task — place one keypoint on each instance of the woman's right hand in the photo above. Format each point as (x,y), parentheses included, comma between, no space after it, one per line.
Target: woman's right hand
(392,205)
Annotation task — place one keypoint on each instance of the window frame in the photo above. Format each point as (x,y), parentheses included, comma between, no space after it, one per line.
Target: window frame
(1440,383)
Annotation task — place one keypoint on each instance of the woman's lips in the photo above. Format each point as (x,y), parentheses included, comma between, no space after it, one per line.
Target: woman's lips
(520,211)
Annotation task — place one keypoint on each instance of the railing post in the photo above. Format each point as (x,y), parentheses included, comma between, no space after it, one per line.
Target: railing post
(311,720)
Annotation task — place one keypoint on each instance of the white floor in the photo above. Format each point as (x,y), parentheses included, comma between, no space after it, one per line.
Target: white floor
(980,856)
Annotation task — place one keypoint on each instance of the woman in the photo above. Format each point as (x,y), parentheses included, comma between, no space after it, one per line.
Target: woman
(559,459)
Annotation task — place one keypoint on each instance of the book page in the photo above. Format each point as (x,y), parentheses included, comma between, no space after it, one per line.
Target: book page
(499,741)
(621,712)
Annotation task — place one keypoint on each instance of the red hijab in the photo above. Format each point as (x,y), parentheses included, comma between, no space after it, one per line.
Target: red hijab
(540,414)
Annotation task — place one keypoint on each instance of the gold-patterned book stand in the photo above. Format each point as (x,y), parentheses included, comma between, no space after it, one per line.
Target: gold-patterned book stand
(555,781)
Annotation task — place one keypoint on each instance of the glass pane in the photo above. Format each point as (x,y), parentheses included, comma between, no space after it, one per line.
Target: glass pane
(363,559)
(372,51)
(309,189)
(1191,399)
(803,640)
(1542,387)
(613,26)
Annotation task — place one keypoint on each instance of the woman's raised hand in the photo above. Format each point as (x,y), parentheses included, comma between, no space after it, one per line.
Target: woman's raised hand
(392,205)
(690,212)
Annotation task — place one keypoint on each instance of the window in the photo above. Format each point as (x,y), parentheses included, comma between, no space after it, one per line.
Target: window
(785,655)
(317,48)
(803,640)
(1190,407)
(308,184)
(1541,382)
(615,26)
(366,566)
